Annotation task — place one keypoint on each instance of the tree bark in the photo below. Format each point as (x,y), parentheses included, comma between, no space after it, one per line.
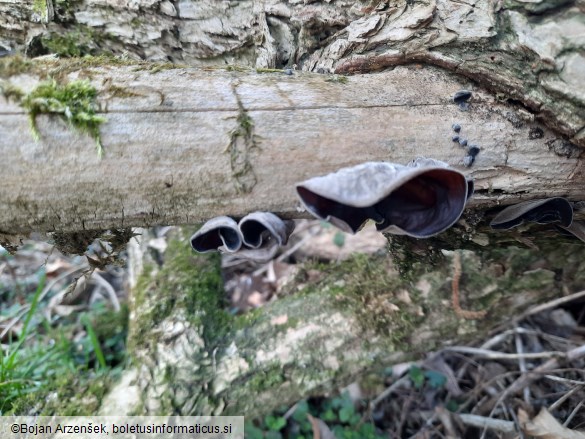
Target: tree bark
(190,357)
(184,145)
(530,52)
(176,133)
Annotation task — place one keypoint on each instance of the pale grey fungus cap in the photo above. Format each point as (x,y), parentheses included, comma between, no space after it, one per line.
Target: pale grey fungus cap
(547,211)
(420,199)
(257,237)
(220,233)
(259,227)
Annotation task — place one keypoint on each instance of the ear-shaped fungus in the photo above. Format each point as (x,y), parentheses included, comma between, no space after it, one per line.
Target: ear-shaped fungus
(259,227)
(547,211)
(263,233)
(577,228)
(220,233)
(421,199)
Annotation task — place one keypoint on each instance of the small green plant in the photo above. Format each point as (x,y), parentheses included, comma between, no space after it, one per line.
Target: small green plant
(13,370)
(94,340)
(338,413)
(74,102)
(47,359)
(432,378)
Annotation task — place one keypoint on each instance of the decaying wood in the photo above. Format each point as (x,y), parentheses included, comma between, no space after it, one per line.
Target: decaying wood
(184,145)
(322,337)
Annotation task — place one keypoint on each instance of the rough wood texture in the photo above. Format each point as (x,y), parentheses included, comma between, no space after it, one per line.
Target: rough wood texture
(530,51)
(172,155)
(360,314)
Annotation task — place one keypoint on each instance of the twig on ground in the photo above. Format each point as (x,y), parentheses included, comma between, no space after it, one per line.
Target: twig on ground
(563,398)
(564,380)
(552,304)
(388,391)
(490,423)
(524,380)
(573,413)
(522,364)
(494,355)
(109,289)
(447,420)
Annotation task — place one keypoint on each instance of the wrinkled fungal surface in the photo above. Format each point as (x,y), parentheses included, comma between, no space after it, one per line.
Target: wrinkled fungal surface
(421,199)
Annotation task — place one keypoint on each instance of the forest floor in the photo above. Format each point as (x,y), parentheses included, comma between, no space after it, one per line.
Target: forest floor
(63,329)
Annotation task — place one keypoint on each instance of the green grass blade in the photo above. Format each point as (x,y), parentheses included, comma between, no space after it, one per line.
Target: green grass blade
(29,315)
(94,341)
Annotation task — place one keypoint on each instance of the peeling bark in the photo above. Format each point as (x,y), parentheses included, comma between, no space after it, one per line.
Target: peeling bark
(530,52)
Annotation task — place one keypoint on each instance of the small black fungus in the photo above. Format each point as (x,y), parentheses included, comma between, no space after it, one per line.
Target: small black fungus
(473,150)
(462,142)
(468,160)
(455,138)
(461,96)
(288,72)
(536,133)
(456,127)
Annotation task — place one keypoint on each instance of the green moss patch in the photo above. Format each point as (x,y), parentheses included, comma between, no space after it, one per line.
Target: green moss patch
(58,69)
(368,285)
(74,102)
(14,65)
(187,282)
(70,394)
(79,42)
(40,7)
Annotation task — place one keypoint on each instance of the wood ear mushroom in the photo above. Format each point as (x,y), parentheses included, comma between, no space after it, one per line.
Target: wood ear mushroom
(220,233)
(546,211)
(263,234)
(258,227)
(420,199)
(557,211)
(257,237)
